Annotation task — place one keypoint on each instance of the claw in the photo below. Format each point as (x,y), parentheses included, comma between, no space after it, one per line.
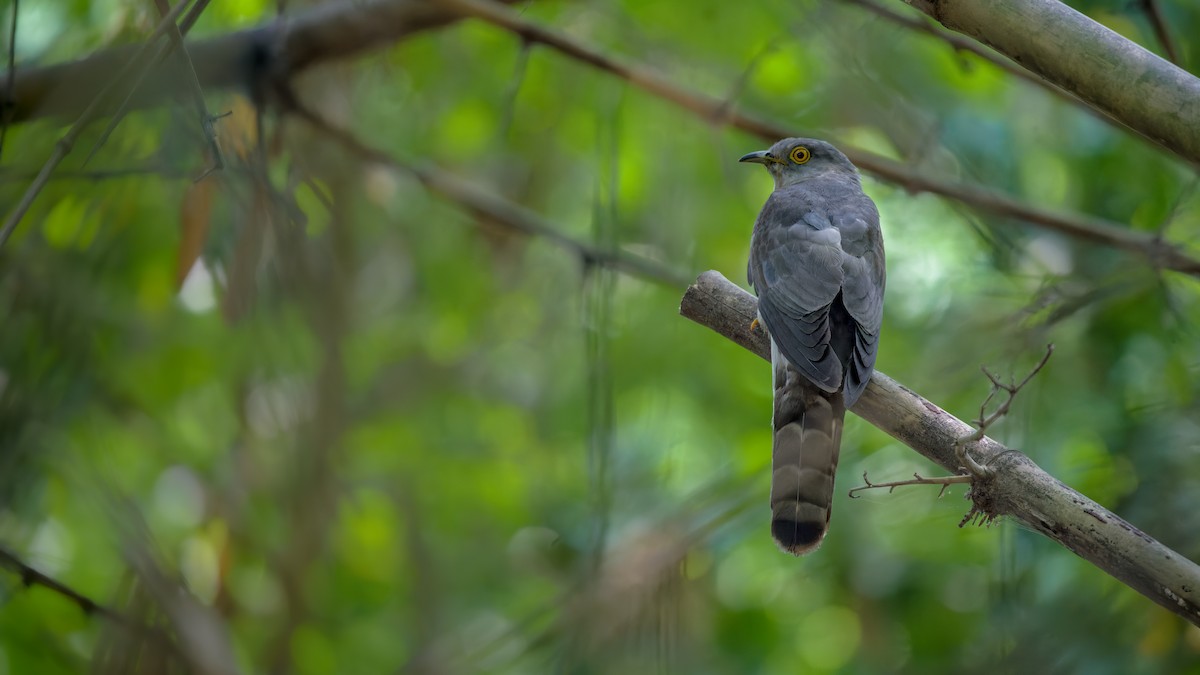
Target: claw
(754,325)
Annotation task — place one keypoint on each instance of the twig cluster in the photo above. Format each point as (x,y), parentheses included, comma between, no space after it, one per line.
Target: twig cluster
(1011,389)
(973,470)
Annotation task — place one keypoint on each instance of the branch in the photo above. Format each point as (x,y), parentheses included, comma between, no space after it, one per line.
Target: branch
(148,170)
(1150,8)
(31,577)
(1115,76)
(10,79)
(1158,252)
(972,470)
(498,209)
(333,30)
(1015,487)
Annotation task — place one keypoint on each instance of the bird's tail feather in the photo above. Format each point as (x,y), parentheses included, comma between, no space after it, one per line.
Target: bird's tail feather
(808,435)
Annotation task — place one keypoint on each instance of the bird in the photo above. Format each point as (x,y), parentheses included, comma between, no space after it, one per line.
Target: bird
(817,267)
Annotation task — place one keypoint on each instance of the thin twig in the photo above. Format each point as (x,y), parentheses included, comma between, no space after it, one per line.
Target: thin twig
(64,145)
(917,479)
(973,468)
(149,170)
(729,102)
(1157,251)
(508,110)
(1183,196)
(1154,14)
(176,34)
(984,420)
(192,16)
(497,209)
(963,44)
(6,106)
(968,463)
(206,118)
(31,577)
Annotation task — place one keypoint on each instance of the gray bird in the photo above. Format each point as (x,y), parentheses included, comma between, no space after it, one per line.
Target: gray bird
(816,264)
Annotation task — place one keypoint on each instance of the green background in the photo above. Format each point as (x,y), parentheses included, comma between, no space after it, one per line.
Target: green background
(395,436)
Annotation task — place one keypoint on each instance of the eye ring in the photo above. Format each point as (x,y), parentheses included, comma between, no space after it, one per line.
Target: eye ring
(800,154)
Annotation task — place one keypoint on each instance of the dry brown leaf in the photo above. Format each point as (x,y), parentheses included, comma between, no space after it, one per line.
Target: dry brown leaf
(194,218)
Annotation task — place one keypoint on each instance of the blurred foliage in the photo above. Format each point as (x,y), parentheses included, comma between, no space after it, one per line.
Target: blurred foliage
(386,434)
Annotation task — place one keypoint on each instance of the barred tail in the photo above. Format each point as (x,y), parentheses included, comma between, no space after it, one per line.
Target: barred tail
(808,434)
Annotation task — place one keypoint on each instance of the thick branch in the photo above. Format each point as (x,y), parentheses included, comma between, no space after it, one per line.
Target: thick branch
(331,31)
(1113,75)
(1016,487)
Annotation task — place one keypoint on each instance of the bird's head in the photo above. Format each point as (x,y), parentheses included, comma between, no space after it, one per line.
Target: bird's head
(794,160)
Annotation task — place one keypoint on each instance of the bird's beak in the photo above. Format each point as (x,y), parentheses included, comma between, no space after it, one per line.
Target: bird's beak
(761,157)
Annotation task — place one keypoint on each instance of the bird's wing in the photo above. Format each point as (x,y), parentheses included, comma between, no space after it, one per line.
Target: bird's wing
(797,269)
(863,284)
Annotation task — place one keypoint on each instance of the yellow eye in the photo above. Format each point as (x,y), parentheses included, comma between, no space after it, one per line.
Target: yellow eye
(800,154)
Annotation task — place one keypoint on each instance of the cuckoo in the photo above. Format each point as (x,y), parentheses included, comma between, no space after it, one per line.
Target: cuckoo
(816,264)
